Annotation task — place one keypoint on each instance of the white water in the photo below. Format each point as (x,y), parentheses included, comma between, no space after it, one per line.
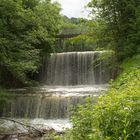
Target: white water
(59,125)
(74,68)
(56,99)
(69,78)
(71,91)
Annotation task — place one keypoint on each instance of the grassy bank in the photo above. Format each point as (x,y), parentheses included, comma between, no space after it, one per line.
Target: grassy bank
(116,116)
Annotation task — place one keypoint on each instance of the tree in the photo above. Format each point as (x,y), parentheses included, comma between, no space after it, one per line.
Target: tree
(27,28)
(119,18)
(75,35)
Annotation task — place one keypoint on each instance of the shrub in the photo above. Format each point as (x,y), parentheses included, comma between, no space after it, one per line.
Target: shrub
(116,115)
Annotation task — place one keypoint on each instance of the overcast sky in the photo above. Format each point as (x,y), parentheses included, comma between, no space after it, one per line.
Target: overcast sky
(74,8)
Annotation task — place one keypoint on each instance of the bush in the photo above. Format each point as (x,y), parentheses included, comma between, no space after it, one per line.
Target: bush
(82,121)
(116,115)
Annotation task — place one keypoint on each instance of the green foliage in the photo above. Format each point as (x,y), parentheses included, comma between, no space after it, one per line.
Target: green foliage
(119,25)
(91,35)
(79,43)
(78,28)
(108,59)
(27,30)
(82,121)
(116,115)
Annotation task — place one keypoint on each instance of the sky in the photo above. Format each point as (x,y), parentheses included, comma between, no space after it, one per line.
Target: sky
(74,8)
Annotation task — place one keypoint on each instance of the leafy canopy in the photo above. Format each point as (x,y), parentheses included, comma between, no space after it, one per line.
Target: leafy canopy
(119,23)
(27,29)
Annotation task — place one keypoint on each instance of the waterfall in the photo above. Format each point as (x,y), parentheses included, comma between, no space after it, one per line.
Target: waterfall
(41,106)
(73,68)
(48,102)
(67,78)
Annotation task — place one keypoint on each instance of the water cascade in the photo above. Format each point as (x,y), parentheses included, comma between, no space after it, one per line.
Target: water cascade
(74,68)
(68,78)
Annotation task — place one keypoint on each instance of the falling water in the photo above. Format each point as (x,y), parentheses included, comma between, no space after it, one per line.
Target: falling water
(68,78)
(48,102)
(74,68)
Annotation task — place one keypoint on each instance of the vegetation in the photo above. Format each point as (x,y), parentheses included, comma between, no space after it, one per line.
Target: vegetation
(88,35)
(116,115)
(73,35)
(118,25)
(27,30)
